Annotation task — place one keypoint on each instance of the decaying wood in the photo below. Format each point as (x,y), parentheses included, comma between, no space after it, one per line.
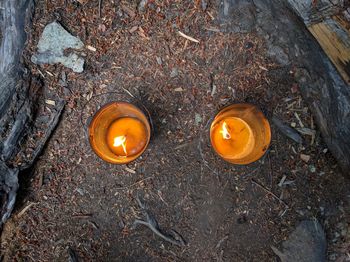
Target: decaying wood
(14,110)
(17,131)
(334,40)
(312,11)
(8,189)
(19,93)
(329,23)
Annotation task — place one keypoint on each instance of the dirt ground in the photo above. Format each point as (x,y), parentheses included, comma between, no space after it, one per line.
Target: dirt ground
(72,199)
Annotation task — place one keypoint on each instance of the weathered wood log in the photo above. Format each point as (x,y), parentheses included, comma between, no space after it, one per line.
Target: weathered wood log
(19,94)
(14,108)
(291,44)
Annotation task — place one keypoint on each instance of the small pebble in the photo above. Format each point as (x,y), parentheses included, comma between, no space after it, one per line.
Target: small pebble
(197,119)
(305,158)
(312,168)
(159,60)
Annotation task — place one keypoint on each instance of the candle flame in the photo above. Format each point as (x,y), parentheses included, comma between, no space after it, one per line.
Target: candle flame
(120,141)
(225,133)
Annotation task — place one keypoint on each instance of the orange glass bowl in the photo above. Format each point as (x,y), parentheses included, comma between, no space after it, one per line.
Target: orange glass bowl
(119,132)
(240,134)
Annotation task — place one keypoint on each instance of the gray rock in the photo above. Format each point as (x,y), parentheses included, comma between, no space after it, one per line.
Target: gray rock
(307,243)
(54,40)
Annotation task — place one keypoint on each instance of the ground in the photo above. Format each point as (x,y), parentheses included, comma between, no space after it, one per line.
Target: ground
(72,199)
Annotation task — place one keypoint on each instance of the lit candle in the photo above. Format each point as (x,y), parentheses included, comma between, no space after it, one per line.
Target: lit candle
(240,134)
(119,132)
(126,136)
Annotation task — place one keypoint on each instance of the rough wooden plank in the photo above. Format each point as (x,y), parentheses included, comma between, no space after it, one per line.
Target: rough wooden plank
(335,41)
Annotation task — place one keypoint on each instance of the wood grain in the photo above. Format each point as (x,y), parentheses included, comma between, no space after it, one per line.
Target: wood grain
(334,39)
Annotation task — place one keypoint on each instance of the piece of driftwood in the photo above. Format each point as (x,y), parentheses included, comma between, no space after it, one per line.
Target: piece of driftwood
(290,44)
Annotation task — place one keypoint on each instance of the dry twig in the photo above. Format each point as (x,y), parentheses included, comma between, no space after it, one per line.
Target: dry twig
(269,192)
(134,184)
(188,37)
(152,224)
(100,8)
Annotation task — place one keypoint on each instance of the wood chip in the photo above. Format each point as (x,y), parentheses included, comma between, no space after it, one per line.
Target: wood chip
(178,89)
(133,29)
(25,209)
(305,158)
(130,170)
(49,73)
(280,184)
(263,68)
(91,48)
(211,15)
(128,11)
(188,37)
(306,131)
(212,29)
(89,96)
(141,32)
(50,102)
(298,118)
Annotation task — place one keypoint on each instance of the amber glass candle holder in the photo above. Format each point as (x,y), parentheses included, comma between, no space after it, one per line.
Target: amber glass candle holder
(119,132)
(240,134)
